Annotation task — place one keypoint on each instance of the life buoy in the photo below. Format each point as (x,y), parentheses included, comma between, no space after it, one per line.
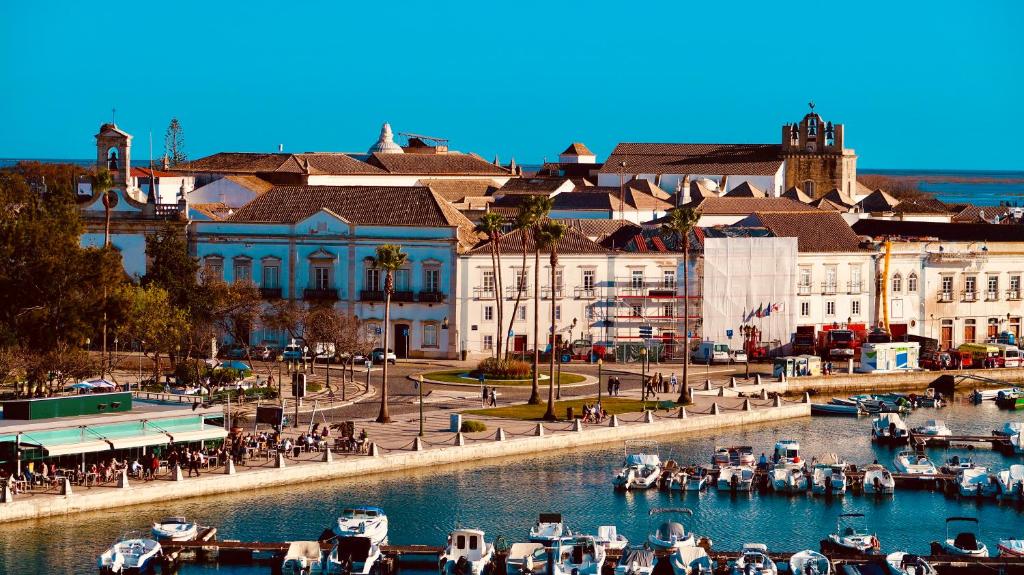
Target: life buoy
(874,542)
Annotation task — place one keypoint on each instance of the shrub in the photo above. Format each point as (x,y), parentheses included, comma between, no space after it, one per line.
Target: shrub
(314,386)
(494,368)
(472,426)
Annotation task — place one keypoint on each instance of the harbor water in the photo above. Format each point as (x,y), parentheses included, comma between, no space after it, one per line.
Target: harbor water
(504,497)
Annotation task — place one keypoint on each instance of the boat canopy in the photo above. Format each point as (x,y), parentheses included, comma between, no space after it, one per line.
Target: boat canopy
(308,550)
(640,557)
(642,459)
(356,549)
(670,531)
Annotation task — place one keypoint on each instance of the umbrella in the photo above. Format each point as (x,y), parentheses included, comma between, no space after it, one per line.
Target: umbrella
(79,385)
(212,362)
(102,383)
(238,365)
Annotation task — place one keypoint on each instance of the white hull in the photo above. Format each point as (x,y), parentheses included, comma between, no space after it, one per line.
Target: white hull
(130,556)
(789,479)
(736,478)
(878,481)
(901,563)
(907,462)
(1011,548)
(949,549)
(809,562)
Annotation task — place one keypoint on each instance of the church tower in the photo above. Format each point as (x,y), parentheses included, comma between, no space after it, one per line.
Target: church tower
(114,152)
(816,161)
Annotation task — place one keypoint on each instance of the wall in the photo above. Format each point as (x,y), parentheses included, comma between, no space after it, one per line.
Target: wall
(132,247)
(771,185)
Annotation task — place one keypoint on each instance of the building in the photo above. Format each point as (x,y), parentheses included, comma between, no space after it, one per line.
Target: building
(815,159)
(726,211)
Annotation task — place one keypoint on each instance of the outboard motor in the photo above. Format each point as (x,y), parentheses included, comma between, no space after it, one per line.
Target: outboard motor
(734,482)
(878,484)
(462,567)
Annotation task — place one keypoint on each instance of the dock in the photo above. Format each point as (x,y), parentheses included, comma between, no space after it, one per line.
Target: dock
(1000,443)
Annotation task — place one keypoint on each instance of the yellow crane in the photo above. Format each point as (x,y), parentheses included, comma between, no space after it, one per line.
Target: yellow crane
(885,285)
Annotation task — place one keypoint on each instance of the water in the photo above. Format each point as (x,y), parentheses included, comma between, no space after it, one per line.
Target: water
(504,497)
(981,188)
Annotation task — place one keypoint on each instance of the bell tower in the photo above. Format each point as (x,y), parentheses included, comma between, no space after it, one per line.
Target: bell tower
(816,161)
(114,152)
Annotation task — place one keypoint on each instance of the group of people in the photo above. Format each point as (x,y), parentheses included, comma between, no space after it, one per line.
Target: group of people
(658,383)
(488,397)
(613,386)
(594,413)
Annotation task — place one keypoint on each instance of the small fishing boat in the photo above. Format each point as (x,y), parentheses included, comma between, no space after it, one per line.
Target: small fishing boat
(1010,428)
(1010,399)
(878,480)
(133,553)
(955,464)
(809,563)
(736,455)
(976,482)
(639,471)
(851,536)
(735,478)
(690,561)
(527,559)
(754,560)
(175,529)
(669,470)
(789,478)
(363,521)
(635,561)
(980,395)
(889,428)
(965,544)
(831,409)
(691,480)
(549,529)
(934,428)
(467,553)
(931,398)
(828,476)
(609,537)
(302,558)
(1011,483)
(1011,547)
(353,556)
(903,563)
(580,555)
(913,463)
(786,451)
(670,533)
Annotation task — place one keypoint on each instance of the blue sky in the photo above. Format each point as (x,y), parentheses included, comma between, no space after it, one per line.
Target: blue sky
(918,85)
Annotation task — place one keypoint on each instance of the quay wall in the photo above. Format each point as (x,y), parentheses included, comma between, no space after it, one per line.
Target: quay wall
(26,507)
(838,383)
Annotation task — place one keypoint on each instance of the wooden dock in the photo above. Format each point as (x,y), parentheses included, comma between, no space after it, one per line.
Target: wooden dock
(1000,443)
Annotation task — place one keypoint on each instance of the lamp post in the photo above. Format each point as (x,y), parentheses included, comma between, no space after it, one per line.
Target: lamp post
(369,364)
(643,373)
(419,387)
(142,352)
(600,362)
(558,392)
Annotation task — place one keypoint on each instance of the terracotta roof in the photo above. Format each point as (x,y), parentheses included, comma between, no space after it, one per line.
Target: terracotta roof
(607,198)
(649,188)
(838,197)
(878,201)
(214,211)
(797,194)
(144,173)
(815,232)
(941,231)
(644,240)
(577,149)
(862,189)
(745,190)
(828,205)
(450,163)
(458,190)
(707,159)
(746,206)
(981,214)
(597,229)
(257,163)
(573,242)
(535,185)
(921,206)
(254,184)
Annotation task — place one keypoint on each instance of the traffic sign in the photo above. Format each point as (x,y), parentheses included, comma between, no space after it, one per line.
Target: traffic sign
(728,333)
(405,332)
(646,331)
(511,333)
(378,330)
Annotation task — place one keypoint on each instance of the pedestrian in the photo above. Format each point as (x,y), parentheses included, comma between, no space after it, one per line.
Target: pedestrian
(618,385)
(494,398)
(673,382)
(484,396)
(611,385)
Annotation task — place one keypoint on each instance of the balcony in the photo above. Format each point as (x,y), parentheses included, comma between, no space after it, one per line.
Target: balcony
(585,293)
(854,288)
(403,296)
(547,292)
(511,292)
(435,296)
(828,288)
(1013,295)
(803,289)
(320,294)
(970,296)
(270,292)
(371,295)
(945,297)
(992,296)
(483,292)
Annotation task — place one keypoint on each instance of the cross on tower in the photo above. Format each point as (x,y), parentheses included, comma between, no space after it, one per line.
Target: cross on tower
(113,113)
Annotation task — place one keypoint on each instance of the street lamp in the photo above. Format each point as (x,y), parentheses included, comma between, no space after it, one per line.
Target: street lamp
(419,387)
(643,373)
(600,362)
(369,364)
(142,352)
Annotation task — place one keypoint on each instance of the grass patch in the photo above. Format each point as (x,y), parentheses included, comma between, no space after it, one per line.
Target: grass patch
(472,426)
(613,405)
(454,376)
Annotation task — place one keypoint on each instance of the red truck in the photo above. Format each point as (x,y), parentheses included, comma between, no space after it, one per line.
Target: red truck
(840,343)
(803,340)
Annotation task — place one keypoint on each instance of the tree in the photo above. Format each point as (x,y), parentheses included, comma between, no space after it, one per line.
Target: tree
(390,258)
(174,143)
(286,316)
(491,225)
(535,210)
(172,268)
(678,226)
(523,223)
(235,309)
(549,234)
(102,181)
(149,316)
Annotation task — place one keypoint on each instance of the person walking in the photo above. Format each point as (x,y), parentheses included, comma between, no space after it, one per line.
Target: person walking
(494,398)
(673,381)
(484,396)
(611,385)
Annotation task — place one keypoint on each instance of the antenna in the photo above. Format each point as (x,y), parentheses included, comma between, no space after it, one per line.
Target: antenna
(113,113)
(280,148)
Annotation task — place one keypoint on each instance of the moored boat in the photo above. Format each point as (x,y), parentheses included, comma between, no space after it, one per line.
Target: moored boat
(890,428)
(1011,483)
(980,395)
(690,561)
(639,471)
(528,559)
(363,521)
(133,553)
(977,482)
(467,553)
(1011,547)
(735,478)
(609,537)
(353,556)
(1010,399)
(831,409)
(754,560)
(964,544)
(302,558)
(903,563)
(829,476)
(175,529)
(878,480)
(851,536)
(934,428)
(635,561)
(913,463)
(954,465)
(549,529)
(1010,428)
(809,562)
(670,533)
(580,555)
(736,455)
(788,478)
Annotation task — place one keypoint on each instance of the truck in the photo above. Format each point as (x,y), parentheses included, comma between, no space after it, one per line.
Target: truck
(803,340)
(756,349)
(838,343)
(712,352)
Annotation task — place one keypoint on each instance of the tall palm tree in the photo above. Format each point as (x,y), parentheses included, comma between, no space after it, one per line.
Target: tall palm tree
(537,208)
(390,258)
(523,222)
(549,234)
(101,184)
(491,225)
(678,225)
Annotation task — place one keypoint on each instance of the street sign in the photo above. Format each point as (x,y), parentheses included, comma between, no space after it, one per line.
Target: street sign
(481,378)
(728,333)
(511,333)
(646,331)
(369,364)
(378,330)
(405,332)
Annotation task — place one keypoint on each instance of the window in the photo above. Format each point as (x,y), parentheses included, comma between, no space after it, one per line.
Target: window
(522,313)
(970,330)
(993,288)
(805,308)
(668,279)
(1014,287)
(558,278)
(488,342)
(636,280)
(590,312)
(804,281)
(243,270)
(487,281)
(637,310)
(1013,326)
(488,313)
(214,267)
(402,282)
(432,280)
(668,310)
(897,283)
(588,280)
(970,285)
(993,327)
(855,279)
(430,335)
(912,282)
(521,280)
(558,312)
(809,188)
(372,279)
(855,307)
(830,308)
(321,277)
(271,275)
(830,279)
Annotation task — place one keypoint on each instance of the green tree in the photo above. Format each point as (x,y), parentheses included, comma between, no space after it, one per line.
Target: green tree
(549,233)
(174,143)
(535,211)
(235,309)
(150,316)
(491,225)
(678,227)
(102,181)
(390,258)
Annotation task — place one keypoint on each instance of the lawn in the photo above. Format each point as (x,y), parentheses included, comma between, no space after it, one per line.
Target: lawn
(453,376)
(613,405)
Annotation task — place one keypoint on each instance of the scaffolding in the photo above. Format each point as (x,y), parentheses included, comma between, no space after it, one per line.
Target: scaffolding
(648,312)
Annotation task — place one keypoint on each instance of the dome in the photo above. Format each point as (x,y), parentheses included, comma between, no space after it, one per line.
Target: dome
(386,142)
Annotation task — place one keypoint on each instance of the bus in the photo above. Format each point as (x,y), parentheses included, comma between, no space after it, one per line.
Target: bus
(983,354)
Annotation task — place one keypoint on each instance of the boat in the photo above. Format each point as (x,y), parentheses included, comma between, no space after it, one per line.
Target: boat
(133,553)
(980,395)
(934,428)
(754,560)
(1017,442)
(1011,483)
(302,558)
(831,409)
(809,563)
(954,465)
(903,563)
(670,534)
(690,561)
(737,455)
(1013,399)
(693,480)
(931,398)
(610,538)
(527,559)
(580,555)
(635,561)
(735,478)
(175,529)
(878,480)
(669,470)
(851,536)
(1011,547)
(965,544)
(353,556)
(467,553)
(914,464)
(1010,428)
(788,478)
(976,482)
(889,428)
(363,521)
(549,529)
(786,451)
(639,471)
(828,476)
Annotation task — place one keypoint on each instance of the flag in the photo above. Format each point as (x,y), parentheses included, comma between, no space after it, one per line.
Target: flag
(778,307)
(760,311)
(768,310)
(743,317)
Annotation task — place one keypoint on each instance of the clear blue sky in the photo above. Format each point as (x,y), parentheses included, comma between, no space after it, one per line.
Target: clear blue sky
(918,85)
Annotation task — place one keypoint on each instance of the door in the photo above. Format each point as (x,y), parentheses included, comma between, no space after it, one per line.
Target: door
(947,337)
(668,339)
(402,336)
(519,344)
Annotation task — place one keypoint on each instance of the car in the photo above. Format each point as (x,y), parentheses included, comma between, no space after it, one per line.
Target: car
(378,355)
(292,352)
(235,352)
(739,356)
(261,352)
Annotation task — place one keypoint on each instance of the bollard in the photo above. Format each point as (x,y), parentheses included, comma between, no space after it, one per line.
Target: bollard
(280,461)
(747,406)
(460,440)
(732,382)
(721,391)
(714,408)
(540,430)
(764,393)
(373,450)
(499,435)
(782,378)
(707,385)
(176,474)
(577,425)
(613,421)
(6,496)
(229,467)
(778,401)
(807,397)
(417,444)
(757,379)
(328,456)
(648,416)
(65,488)
(122,479)
(682,413)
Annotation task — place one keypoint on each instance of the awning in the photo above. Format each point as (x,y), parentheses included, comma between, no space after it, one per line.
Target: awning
(55,449)
(143,440)
(210,432)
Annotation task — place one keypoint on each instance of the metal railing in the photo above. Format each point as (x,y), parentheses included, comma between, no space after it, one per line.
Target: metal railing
(970,296)
(992,296)
(512,291)
(371,295)
(432,296)
(403,295)
(854,288)
(1013,294)
(585,293)
(945,296)
(270,292)
(484,292)
(320,294)
(546,292)
(828,288)
(803,289)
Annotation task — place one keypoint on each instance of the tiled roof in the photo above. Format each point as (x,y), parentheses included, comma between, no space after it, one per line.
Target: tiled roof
(815,232)
(746,206)
(451,164)
(839,197)
(260,163)
(745,190)
(707,159)
(254,184)
(144,173)
(921,206)
(214,211)
(980,214)
(795,193)
(455,190)
(573,242)
(649,188)
(607,198)
(828,205)
(878,201)
(942,231)
(644,240)
(534,185)
(597,229)
(577,149)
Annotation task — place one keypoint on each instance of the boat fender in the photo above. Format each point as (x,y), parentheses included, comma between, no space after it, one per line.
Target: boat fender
(874,543)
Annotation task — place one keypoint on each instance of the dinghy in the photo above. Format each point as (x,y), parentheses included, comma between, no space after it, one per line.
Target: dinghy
(851,536)
(175,529)
(754,560)
(133,553)
(878,480)
(809,563)
(902,563)
(915,464)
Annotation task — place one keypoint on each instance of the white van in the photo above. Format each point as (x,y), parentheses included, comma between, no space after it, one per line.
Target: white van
(711,351)
(1011,355)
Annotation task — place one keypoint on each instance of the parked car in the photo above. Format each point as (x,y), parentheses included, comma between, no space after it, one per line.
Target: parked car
(936,361)
(292,352)
(378,356)
(739,356)
(261,352)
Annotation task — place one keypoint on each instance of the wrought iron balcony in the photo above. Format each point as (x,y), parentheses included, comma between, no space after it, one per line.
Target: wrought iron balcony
(484,292)
(803,289)
(320,294)
(992,296)
(371,295)
(433,296)
(546,292)
(854,288)
(585,293)
(1013,294)
(270,292)
(945,296)
(512,291)
(828,288)
(970,296)
(403,296)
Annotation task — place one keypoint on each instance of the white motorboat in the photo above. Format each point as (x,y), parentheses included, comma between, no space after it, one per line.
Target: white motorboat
(467,553)
(1011,547)
(851,536)
(754,560)
(878,480)
(528,559)
(934,428)
(735,478)
(363,521)
(133,553)
(670,534)
(175,529)
(913,463)
(353,556)
(789,478)
(693,480)
(1011,483)
(549,529)
(580,555)
(829,476)
(302,558)
(889,428)
(1010,428)
(980,395)
(954,465)
(786,451)
(608,536)
(736,455)
(902,563)
(965,544)
(976,482)
(809,563)
(635,561)
(690,561)
(639,471)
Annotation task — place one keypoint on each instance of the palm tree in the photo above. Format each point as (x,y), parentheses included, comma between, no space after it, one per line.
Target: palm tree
(390,258)
(678,225)
(101,184)
(548,235)
(523,222)
(537,208)
(491,224)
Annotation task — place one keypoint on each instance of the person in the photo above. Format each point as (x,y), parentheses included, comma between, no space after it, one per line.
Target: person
(611,385)
(483,398)
(494,398)
(762,463)
(673,381)
(618,385)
